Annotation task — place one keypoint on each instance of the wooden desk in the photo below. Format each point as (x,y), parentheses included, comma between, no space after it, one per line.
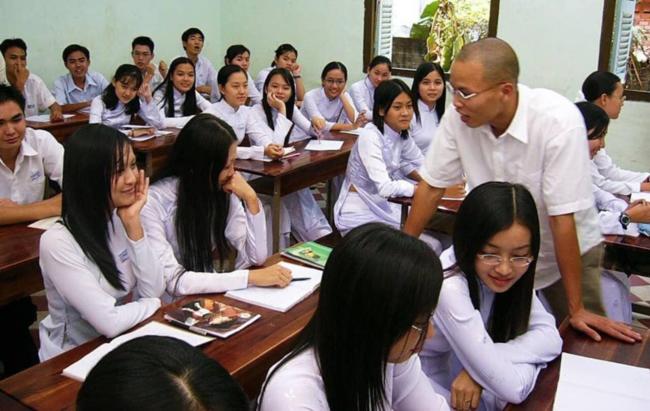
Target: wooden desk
(279,178)
(20,274)
(542,397)
(152,154)
(445,206)
(61,130)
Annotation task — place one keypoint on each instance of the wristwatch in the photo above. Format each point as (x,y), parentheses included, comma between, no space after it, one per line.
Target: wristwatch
(625,220)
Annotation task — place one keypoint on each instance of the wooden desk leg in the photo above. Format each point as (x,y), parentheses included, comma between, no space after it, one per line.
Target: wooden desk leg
(275,207)
(405,214)
(328,202)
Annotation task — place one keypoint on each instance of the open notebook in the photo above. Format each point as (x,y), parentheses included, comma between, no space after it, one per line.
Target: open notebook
(79,370)
(281,299)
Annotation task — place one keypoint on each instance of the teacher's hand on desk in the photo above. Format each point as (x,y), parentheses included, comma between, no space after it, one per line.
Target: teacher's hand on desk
(589,323)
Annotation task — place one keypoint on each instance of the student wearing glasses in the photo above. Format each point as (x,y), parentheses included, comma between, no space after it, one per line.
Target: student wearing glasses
(493,334)
(499,130)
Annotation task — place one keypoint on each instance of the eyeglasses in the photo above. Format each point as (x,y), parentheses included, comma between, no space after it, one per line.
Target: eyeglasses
(467,96)
(600,135)
(422,329)
(332,82)
(493,260)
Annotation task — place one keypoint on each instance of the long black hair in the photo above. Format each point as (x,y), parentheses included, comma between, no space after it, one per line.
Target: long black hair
(598,83)
(126,73)
(283,48)
(489,209)
(197,157)
(159,373)
(189,106)
(376,284)
(422,71)
(377,60)
(94,155)
(595,118)
(288,78)
(385,93)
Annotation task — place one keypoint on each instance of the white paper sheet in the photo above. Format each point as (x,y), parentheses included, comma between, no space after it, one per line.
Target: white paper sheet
(356,131)
(324,145)
(45,223)
(640,196)
(44,118)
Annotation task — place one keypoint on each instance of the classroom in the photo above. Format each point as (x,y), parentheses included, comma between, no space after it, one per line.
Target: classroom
(323,150)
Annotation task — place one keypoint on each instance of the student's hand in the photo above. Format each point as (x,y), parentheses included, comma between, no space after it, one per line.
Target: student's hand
(276,103)
(639,211)
(296,70)
(359,122)
(465,392)
(275,275)
(645,186)
(588,322)
(274,151)
(162,68)
(20,73)
(205,89)
(56,114)
(141,132)
(318,123)
(238,186)
(145,91)
(130,215)
(5,202)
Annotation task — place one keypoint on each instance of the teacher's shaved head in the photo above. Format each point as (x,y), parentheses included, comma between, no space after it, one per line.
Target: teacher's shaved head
(497,58)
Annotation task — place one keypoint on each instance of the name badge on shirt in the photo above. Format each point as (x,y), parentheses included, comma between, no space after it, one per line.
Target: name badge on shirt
(36,175)
(124,256)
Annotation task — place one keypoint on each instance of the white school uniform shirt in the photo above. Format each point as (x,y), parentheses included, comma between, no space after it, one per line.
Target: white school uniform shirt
(261,78)
(66,91)
(40,157)
(37,96)
(254,94)
(245,232)
(363,96)
(317,103)
(179,120)
(245,123)
(82,305)
(282,125)
(298,385)
(609,177)
(609,210)
(378,167)
(206,75)
(543,148)
(506,371)
(422,132)
(118,117)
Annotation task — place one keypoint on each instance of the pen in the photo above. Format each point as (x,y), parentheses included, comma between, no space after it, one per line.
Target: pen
(291,155)
(300,279)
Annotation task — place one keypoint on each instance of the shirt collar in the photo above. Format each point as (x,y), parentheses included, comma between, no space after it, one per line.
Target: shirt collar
(518,128)
(225,107)
(390,133)
(70,86)
(368,84)
(324,96)
(26,149)
(422,106)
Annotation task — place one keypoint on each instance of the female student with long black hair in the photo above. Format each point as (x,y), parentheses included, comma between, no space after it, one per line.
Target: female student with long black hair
(123,98)
(358,351)
(282,119)
(100,274)
(429,90)
(286,56)
(363,91)
(606,91)
(330,107)
(205,222)
(233,86)
(240,55)
(494,335)
(176,97)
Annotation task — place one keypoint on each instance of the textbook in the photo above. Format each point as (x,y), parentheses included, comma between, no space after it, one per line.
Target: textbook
(282,299)
(209,317)
(310,253)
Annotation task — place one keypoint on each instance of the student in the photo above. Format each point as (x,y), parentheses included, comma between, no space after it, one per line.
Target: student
(240,56)
(286,124)
(286,56)
(330,107)
(142,54)
(37,97)
(358,351)
(227,235)
(28,158)
(606,91)
(177,98)
(363,91)
(430,91)
(100,274)
(159,373)
(501,130)
(233,87)
(75,90)
(124,98)
(206,75)
(494,335)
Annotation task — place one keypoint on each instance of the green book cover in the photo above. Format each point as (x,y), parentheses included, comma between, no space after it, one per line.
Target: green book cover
(310,253)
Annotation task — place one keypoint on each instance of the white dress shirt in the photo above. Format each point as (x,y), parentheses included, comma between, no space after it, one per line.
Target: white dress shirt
(66,91)
(206,75)
(245,123)
(506,371)
(40,157)
(298,385)
(261,78)
(317,103)
(245,232)
(254,94)
(37,96)
(179,120)
(543,148)
(301,126)
(82,305)
(378,167)
(118,117)
(363,96)
(423,131)
(609,177)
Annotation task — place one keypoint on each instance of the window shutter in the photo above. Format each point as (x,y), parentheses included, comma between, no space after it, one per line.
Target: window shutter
(622,38)
(383,35)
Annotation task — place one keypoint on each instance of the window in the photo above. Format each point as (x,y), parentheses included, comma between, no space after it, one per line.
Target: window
(401,29)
